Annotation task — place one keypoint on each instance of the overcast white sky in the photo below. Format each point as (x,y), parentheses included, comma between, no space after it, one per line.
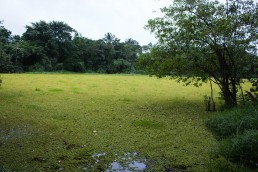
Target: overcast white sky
(91,18)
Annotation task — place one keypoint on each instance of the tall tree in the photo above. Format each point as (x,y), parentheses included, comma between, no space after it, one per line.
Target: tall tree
(200,39)
(53,38)
(111,50)
(50,46)
(132,50)
(6,64)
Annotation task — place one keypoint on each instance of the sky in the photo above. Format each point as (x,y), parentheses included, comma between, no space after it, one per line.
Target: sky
(91,18)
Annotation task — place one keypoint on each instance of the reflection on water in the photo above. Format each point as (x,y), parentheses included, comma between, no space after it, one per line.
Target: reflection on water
(127,162)
(135,165)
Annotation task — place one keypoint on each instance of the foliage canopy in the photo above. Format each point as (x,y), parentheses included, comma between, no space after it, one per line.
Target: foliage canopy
(55,46)
(201,39)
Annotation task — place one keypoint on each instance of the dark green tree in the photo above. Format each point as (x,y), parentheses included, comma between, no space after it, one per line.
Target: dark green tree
(112,49)
(132,49)
(6,64)
(120,56)
(201,39)
(52,40)
(82,55)
(126,55)
(51,46)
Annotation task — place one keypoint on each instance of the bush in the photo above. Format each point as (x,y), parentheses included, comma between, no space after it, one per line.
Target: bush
(237,131)
(120,66)
(233,122)
(36,68)
(6,65)
(222,164)
(74,65)
(1,81)
(242,149)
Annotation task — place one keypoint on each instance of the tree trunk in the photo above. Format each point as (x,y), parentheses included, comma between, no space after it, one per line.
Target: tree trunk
(213,106)
(229,95)
(228,84)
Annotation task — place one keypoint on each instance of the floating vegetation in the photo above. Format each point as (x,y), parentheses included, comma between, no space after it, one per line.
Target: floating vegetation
(110,118)
(55,90)
(126,100)
(148,124)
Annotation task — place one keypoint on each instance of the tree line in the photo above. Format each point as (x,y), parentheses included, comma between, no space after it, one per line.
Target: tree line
(55,46)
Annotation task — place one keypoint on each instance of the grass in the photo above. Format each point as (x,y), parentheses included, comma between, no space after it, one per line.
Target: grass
(237,132)
(54,122)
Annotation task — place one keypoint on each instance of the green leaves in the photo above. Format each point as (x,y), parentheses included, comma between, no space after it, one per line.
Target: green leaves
(200,38)
(55,46)
(54,37)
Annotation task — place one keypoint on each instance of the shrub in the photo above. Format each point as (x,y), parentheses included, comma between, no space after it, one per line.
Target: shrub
(6,65)
(233,122)
(252,95)
(237,131)
(36,68)
(120,66)
(74,65)
(222,164)
(242,149)
(1,81)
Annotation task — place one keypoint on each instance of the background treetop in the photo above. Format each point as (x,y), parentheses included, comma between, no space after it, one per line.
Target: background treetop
(55,46)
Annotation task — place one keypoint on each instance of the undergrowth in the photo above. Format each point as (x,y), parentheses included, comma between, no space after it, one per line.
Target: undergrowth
(237,133)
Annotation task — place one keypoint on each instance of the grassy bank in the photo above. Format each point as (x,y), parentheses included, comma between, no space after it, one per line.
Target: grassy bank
(58,121)
(237,132)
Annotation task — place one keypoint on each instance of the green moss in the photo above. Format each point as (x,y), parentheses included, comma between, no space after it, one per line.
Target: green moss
(75,90)
(55,90)
(34,106)
(111,114)
(126,100)
(149,124)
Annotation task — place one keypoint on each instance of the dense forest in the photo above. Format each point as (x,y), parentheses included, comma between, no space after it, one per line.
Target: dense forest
(55,46)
